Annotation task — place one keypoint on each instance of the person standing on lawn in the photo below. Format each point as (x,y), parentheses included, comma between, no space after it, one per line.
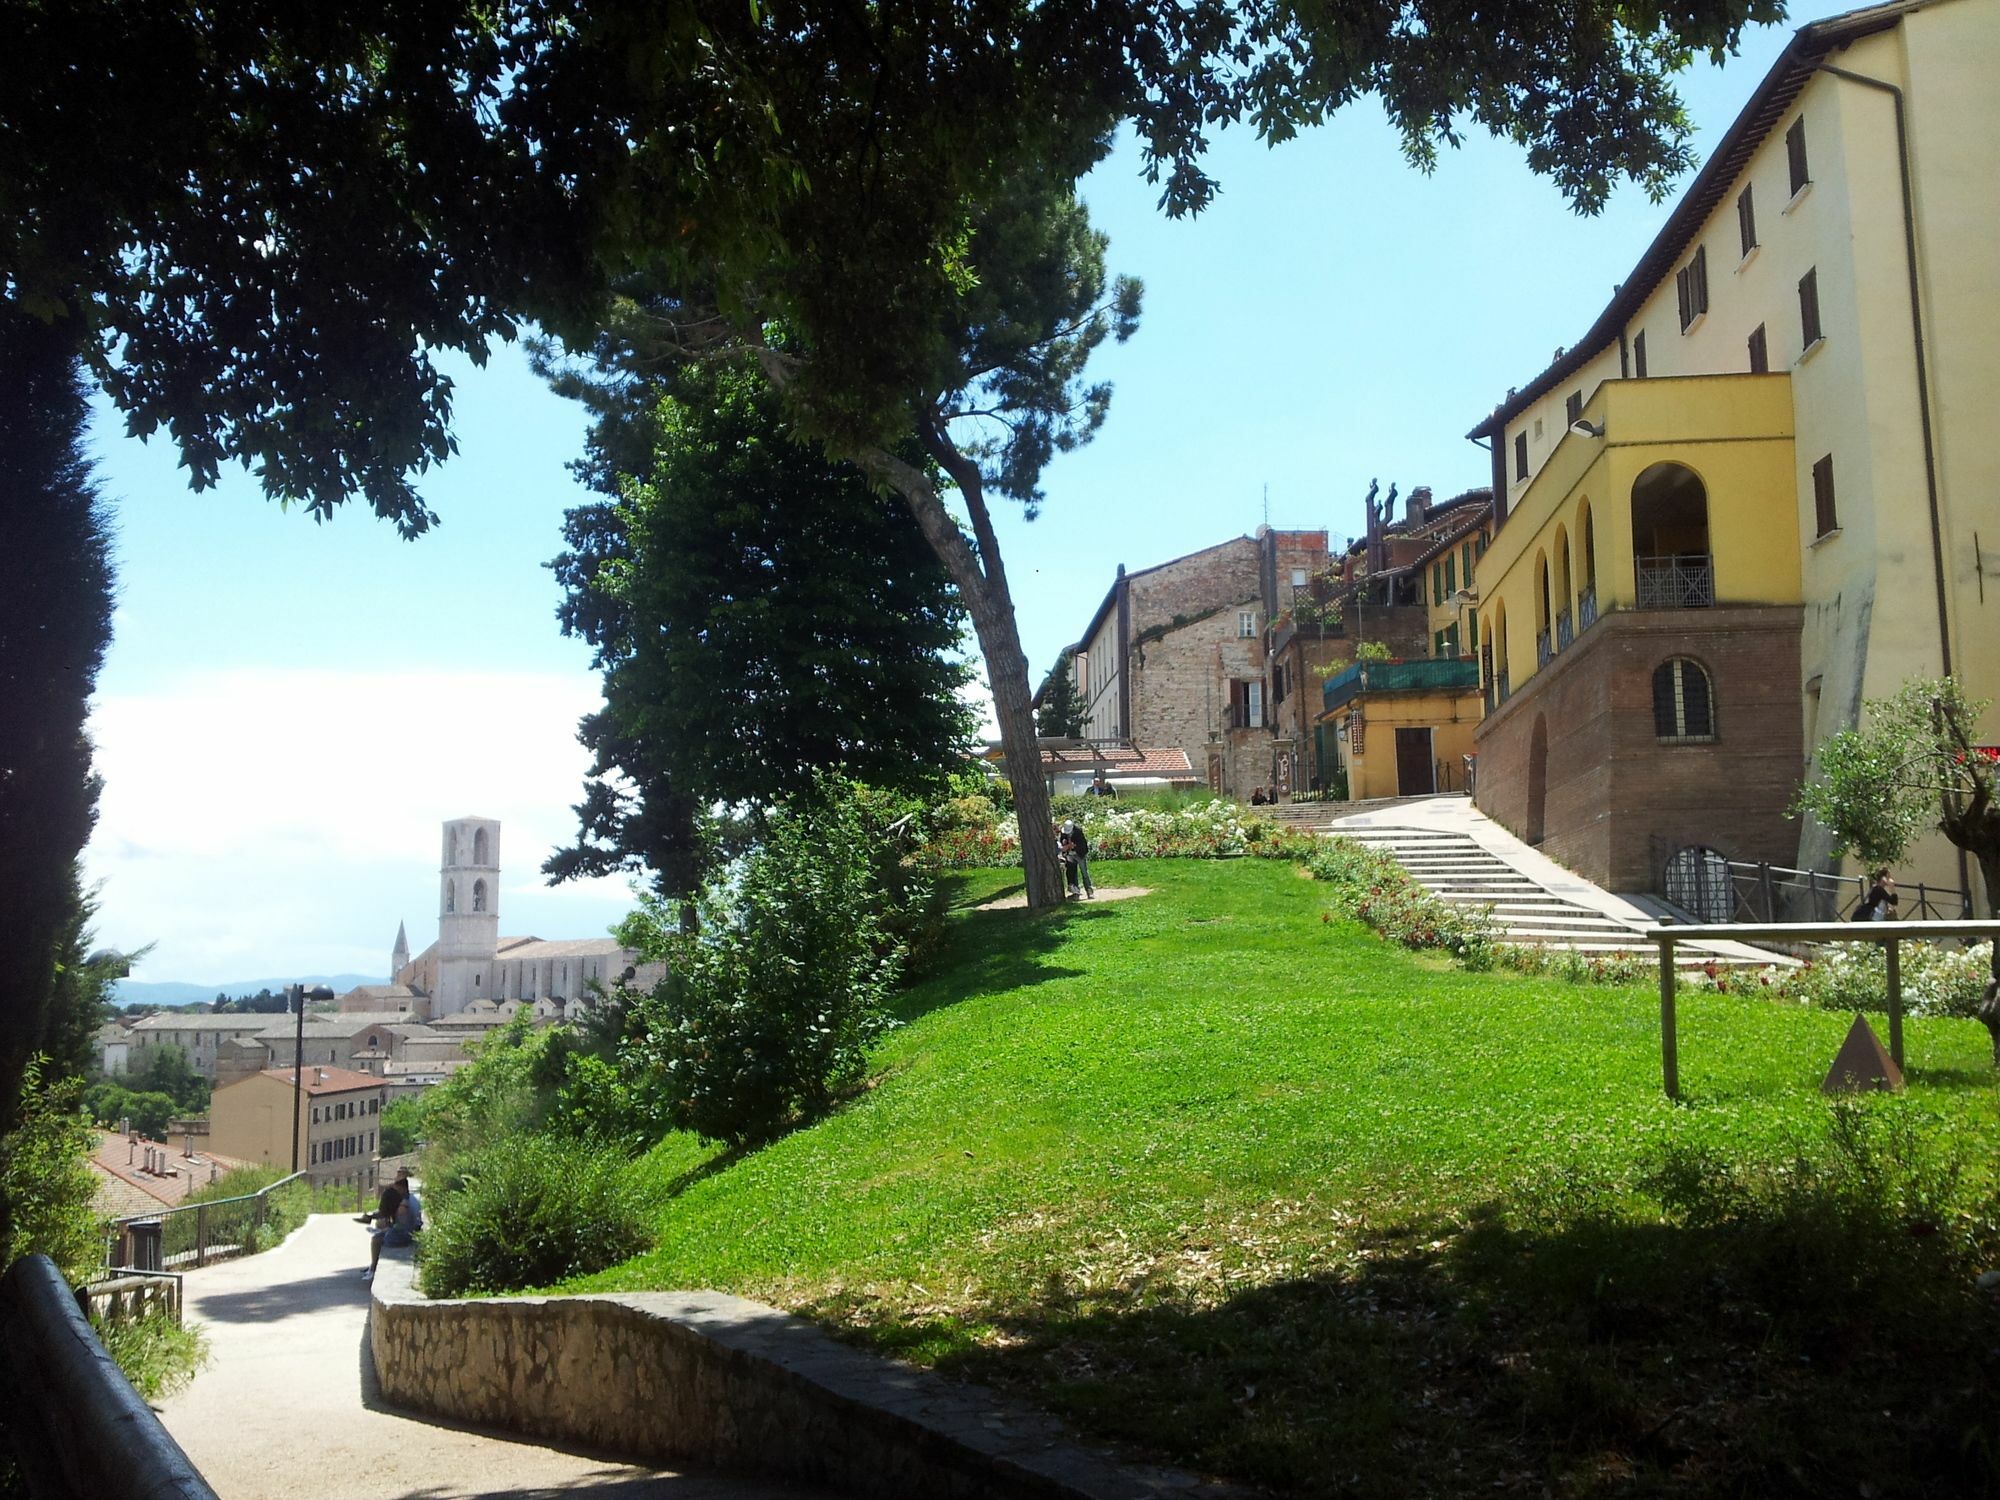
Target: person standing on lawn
(1074,846)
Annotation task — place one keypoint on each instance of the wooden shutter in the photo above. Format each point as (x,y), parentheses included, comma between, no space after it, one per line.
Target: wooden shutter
(1809,329)
(1760,357)
(1639,355)
(1824,514)
(1795,153)
(1746,220)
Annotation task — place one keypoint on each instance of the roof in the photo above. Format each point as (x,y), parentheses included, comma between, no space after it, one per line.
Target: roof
(1794,67)
(317,1081)
(1117,762)
(1451,538)
(126,1188)
(334,1026)
(208,1021)
(537,948)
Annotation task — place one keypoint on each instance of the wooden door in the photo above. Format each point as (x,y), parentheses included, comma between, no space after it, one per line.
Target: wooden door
(1416,775)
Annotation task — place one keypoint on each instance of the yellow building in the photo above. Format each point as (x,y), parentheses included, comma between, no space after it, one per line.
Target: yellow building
(1761,488)
(1402,728)
(1446,567)
(339,1123)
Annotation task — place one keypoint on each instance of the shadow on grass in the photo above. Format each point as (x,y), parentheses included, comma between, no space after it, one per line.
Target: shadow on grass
(992,951)
(1809,1348)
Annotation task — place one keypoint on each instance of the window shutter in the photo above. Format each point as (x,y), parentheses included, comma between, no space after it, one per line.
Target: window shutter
(1682,292)
(1746,220)
(1697,713)
(1639,354)
(1664,719)
(1760,359)
(1809,308)
(1520,455)
(1235,704)
(1795,153)
(1573,407)
(1824,514)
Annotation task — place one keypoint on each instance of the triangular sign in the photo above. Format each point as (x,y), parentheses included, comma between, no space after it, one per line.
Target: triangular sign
(1861,1063)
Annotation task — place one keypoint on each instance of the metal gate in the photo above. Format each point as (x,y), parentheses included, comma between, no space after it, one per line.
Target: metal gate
(1697,881)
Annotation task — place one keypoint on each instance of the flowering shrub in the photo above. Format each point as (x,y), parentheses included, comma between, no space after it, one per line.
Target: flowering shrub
(1214,829)
(1374,889)
(1937,980)
(1576,967)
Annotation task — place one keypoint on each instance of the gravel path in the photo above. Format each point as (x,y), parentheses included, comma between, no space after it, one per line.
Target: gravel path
(287,1405)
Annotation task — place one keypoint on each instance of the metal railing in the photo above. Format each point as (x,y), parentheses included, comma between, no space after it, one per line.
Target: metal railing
(1544,651)
(1890,934)
(196,1233)
(1565,630)
(1686,581)
(1775,893)
(1586,608)
(1500,687)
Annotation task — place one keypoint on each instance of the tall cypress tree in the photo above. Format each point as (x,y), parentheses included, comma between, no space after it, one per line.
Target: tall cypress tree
(55,623)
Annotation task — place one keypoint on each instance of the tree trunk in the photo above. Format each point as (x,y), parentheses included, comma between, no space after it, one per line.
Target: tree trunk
(982,583)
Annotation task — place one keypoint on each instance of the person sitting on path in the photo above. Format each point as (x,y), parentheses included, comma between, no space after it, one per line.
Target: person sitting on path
(399,1221)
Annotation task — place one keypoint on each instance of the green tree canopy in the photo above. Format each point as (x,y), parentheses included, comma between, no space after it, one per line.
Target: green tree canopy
(760,614)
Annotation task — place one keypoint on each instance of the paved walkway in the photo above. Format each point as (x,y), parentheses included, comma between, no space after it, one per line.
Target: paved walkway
(287,1405)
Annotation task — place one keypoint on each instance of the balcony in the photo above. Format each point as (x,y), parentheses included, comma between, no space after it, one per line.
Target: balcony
(1586,608)
(1500,688)
(1685,581)
(1565,631)
(1544,651)
(1445,674)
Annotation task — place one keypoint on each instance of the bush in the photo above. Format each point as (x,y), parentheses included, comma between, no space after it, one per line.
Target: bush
(158,1355)
(402,1126)
(1937,980)
(1372,888)
(45,1189)
(1169,827)
(766,1011)
(530,1212)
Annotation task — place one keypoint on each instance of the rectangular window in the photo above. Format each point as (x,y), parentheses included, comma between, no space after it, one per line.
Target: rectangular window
(1471,635)
(1795,154)
(1437,645)
(1746,220)
(1465,563)
(1573,407)
(1639,355)
(1809,331)
(1520,455)
(1691,281)
(1825,517)
(1253,705)
(1298,578)
(1450,576)
(1246,623)
(1760,357)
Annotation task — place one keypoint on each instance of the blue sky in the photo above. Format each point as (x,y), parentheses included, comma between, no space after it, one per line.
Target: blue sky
(289,710)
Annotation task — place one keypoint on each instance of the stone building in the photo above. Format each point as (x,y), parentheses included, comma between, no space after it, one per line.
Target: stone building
(1756,492)
(471,960)
(201,1035)
(338,1115)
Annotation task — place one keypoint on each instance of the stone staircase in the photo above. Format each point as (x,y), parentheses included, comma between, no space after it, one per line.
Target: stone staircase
(1459,869)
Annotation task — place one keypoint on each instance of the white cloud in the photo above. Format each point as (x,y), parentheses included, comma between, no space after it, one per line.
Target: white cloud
(261,822)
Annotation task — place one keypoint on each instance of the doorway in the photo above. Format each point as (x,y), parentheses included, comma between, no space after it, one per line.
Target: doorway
(1416,772)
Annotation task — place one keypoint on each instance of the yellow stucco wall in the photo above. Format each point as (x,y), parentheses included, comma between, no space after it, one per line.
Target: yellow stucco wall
(1734,432)
(1451,718)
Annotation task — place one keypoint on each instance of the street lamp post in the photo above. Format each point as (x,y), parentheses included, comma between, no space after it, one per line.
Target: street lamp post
(296,997)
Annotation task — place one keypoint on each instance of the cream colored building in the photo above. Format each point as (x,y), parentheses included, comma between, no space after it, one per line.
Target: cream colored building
(1784,416)
(339,1123)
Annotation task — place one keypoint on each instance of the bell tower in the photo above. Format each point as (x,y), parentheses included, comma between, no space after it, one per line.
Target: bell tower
(468,913)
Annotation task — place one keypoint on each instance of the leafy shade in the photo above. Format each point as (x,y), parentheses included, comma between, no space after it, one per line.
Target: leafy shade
(760,615)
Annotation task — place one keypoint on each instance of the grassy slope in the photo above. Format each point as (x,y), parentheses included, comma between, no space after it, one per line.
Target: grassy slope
(1214,1175)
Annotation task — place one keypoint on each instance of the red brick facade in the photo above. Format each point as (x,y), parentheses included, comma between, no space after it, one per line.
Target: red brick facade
(1615,802)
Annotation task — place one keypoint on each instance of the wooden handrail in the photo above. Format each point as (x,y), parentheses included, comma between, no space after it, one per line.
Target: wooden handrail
(1891,934)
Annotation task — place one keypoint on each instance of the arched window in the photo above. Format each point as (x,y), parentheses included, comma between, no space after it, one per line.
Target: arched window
(1670,539)
(1683,702)
(451,895)
(479,847)
(479,895)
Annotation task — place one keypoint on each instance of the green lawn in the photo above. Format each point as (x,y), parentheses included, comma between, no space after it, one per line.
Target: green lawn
(1258,1193)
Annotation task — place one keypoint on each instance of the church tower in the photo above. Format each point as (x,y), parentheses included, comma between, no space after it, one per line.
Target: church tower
(399,956)
(468,913)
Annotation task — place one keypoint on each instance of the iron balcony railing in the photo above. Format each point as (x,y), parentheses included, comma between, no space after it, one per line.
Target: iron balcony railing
(1686,581)
(1500,688)
(1565,631)
(1544,651)
(1586,608)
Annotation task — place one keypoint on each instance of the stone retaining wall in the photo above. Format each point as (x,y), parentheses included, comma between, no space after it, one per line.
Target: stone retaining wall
(705,1377)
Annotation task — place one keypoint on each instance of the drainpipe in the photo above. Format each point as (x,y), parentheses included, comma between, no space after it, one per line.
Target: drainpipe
(1923,380)
(1917,339)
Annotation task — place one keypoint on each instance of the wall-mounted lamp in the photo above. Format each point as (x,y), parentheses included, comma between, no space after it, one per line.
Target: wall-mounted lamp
(1585,429)
(1466,596)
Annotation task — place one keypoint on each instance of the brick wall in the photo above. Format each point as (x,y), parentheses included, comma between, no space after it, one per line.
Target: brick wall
(1617,801)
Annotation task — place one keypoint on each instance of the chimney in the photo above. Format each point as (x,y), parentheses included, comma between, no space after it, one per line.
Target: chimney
(319,1075)
(1419,505)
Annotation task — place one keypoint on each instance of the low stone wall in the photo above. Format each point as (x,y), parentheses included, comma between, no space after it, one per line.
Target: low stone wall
(714,1379)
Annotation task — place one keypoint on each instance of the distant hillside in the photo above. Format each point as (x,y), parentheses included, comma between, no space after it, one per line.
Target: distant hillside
(179,992)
